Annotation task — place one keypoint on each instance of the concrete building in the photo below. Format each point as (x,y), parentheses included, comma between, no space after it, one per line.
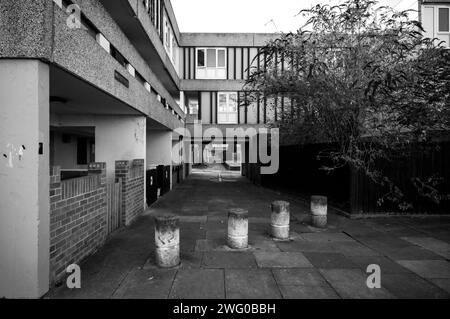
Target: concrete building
(94,95)
(435,18)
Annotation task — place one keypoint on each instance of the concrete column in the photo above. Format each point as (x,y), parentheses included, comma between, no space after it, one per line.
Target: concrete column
(319,211)
(167,240)
(238,228)
(280,220)
(24,176)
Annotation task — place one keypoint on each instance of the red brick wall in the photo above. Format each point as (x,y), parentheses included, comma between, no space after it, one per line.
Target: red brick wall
(132,175)
(77,218)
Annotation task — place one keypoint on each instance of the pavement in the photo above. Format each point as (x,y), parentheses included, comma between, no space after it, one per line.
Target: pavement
(413,252)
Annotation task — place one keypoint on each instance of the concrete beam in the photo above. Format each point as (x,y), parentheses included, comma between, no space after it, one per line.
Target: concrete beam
(226,39)
(212,85)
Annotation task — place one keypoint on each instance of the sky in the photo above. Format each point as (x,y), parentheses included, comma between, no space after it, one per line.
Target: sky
(251,15)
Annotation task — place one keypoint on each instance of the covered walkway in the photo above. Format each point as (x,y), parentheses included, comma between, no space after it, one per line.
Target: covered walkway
(413,253)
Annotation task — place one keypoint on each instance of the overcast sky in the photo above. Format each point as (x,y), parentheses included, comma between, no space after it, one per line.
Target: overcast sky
(251,15)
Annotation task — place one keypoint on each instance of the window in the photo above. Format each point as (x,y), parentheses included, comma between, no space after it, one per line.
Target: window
(201,58)
(221,58)
(82,151)
(170,42)
(211,58)
(227,108)
(443,19)
(193,107)
(211,63)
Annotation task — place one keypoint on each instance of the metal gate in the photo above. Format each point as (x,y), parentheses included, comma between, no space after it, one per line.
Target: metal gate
(113,206)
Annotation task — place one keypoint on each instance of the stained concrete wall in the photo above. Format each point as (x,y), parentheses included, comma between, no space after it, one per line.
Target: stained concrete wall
(26,28)
(24,178)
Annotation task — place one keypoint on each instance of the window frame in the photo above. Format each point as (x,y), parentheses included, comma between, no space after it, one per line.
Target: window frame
(205,54)
(228,99)
(437,8)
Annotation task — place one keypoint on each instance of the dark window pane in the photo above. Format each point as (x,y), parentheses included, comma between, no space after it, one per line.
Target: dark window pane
(211,62)
(444,19)
(201,58)
(221,58)
(82,151)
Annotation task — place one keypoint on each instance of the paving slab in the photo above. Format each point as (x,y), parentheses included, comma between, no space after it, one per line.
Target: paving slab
(308,292)
(429,243)
(444,254)
(444,284)
(198,284)
(191,260)
(281,260)
(193,219)
(428,268)
(267,245)
(351,284)
(229,260)
(354,249)
(299,277)
(101,285)
(412,253)
(384,243)
(387,266)
(146,284)
(305,246)
(327,237)
(343,275)
(411,286)
(329,260)
(251,284)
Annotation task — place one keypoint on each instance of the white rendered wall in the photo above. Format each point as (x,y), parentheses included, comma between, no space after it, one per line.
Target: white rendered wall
(159,148)
(24,179)
(116,137)
(119,138)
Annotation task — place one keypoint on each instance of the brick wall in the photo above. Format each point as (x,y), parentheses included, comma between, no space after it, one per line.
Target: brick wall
(132,175)
(77,218)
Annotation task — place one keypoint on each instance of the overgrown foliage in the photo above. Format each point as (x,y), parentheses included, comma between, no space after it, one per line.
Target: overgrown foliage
(363,80)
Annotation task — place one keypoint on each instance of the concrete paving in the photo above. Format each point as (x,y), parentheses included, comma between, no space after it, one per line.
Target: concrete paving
(412,252)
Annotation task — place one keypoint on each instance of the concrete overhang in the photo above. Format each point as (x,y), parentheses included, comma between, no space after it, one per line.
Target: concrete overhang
(212,85)
(71,95)
(132,18)
(226,39)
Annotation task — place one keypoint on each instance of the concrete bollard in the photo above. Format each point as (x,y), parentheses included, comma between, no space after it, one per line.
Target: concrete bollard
(167,240)
(280,220)
(319,211)
(238,228)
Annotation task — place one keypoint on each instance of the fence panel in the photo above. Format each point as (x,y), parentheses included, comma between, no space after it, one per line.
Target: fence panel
(113,205)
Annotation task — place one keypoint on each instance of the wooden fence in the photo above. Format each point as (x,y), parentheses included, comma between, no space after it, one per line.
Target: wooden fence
(113,206)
